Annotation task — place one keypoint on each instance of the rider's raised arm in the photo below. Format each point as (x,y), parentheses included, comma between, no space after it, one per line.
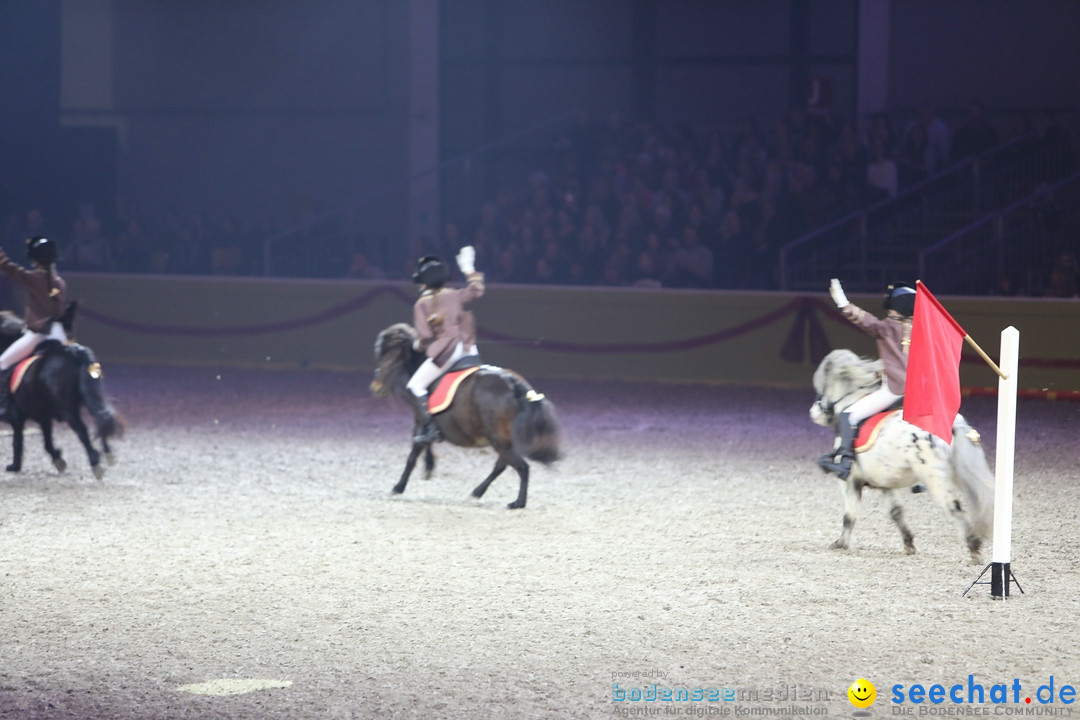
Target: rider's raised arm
(13,269)
(874,326)
(474,289)
(466,260)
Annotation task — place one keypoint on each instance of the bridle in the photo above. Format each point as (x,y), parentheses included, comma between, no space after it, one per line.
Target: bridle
(828,407)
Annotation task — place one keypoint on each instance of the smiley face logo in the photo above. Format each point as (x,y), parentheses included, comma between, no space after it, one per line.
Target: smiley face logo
(862,693)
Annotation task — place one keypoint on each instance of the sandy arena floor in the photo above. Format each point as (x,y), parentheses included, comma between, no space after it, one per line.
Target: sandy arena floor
(245,559)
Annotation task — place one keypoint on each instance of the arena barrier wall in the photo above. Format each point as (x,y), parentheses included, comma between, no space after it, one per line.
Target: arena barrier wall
(757,338)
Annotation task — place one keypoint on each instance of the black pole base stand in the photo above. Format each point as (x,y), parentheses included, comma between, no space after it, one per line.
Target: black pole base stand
(1000,578)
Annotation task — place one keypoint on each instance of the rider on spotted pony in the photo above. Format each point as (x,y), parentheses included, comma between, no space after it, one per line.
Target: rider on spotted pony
(45,303)
(893,334)
(445,330)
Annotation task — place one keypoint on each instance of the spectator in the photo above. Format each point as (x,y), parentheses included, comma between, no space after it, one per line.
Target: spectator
(881,129)
(1065,277)
(130,247)
(852,157)
(361,268)
(975,135)
(647,274)
(506,269)
(914,164)
(882,178)
(1055,145)
(87,249)
(692,264)
(1006,286)
(544,273)
(938,138)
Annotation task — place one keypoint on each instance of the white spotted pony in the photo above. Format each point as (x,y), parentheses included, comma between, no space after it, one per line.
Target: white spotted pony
(903,455)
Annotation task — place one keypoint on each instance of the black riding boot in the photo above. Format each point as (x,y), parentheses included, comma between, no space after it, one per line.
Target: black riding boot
(839,461)
(425,431)
(5,395)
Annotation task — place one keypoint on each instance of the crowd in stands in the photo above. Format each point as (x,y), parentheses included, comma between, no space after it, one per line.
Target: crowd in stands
(620,203)
(636,204)
(611,202)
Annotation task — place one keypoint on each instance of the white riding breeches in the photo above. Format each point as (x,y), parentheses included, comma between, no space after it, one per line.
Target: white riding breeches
(875,402)
(428,372)
(21,348)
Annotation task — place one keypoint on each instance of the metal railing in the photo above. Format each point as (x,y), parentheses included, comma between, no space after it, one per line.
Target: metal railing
(880,243)
(1010,251)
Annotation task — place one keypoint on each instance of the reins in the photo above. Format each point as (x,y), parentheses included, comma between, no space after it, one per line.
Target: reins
(829,406)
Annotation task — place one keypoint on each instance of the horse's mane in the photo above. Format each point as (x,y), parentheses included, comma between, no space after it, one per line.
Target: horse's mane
(842,372)
(394,352)
(11,327)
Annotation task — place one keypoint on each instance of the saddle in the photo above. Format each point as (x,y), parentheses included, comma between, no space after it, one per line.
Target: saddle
(441,392)
(43,348)
(80,353)
(869,429)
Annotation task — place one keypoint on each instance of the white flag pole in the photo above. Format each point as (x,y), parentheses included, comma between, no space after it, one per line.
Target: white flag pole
(1001,575)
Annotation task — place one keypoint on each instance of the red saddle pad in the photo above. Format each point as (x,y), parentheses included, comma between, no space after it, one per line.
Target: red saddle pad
(868,431)
(443,394)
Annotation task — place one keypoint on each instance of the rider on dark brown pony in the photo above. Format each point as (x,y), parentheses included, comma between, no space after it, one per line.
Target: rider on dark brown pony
(45,303)
(445,330)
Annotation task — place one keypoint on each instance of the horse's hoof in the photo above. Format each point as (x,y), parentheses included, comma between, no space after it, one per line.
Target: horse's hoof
(397,490)
(909,550)
(13,468)
(110,458)
(839,545)
(515,505)
(60,464)
(99,472)
(477,494)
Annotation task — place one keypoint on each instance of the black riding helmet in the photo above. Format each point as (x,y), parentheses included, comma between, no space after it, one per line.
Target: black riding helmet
(431,271)
(41,250)
(901,298)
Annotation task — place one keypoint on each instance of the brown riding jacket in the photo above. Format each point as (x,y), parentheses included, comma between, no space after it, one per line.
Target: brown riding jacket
(893,337)
(45,292)
(441,320)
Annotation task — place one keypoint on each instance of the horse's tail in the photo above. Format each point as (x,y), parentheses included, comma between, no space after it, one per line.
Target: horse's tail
(107,421)
(536,430)
(974,476)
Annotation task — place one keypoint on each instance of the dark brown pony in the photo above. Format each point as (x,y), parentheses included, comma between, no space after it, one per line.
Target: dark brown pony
(55,388)
(493,406)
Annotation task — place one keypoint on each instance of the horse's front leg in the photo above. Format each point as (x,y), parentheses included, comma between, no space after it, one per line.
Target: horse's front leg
(410,463)
(500,465)
(852,492)
(17,426)
(75,422)
(47,435)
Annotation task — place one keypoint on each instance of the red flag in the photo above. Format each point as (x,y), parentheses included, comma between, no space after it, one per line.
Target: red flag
(932,388)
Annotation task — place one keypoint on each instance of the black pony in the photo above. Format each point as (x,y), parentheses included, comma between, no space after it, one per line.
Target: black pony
(493,406)
(55,387)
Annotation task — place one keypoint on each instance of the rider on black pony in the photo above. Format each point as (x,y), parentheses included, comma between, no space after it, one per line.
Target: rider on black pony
(893,334)
(445,330)
(45,303)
